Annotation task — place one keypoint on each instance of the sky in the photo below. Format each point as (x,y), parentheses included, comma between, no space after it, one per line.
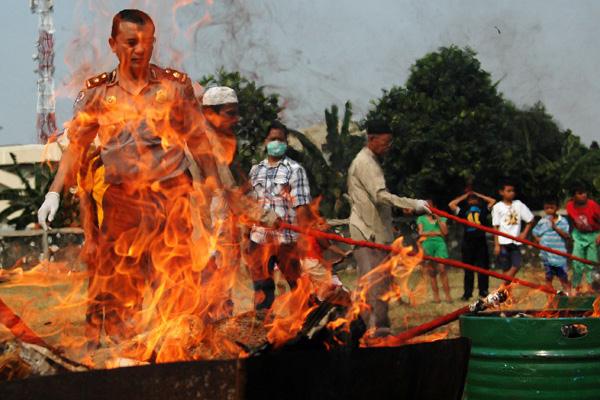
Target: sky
(316,53)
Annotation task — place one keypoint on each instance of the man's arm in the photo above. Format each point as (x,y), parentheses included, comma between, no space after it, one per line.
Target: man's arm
(489,200)
(443,226)
(371,177)
(526,230)
(527,217)
(562,233)
(81,132)
(453,205)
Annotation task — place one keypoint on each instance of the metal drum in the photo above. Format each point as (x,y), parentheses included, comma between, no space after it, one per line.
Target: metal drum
(525,355)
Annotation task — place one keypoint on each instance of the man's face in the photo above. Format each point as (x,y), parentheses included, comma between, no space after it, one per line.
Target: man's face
(473,200)
(550,209)
(225,119)
(580,197)
(380,144)
(133,45)
(276,134)
(508,193)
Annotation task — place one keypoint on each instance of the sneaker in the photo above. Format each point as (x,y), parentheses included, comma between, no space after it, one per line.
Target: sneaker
(465,297)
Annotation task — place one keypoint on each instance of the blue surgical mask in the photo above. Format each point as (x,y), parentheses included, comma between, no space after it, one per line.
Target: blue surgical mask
(276,148)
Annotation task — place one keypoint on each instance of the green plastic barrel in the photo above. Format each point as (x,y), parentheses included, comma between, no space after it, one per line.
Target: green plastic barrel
(532,358)
(575,302)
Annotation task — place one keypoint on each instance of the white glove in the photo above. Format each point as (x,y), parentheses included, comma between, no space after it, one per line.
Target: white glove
(48,209)
(422,207)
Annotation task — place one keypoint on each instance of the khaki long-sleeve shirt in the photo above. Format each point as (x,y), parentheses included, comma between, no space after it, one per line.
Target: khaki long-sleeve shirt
(372,203)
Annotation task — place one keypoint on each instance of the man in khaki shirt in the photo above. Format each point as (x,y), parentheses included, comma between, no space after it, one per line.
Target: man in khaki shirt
(371,216)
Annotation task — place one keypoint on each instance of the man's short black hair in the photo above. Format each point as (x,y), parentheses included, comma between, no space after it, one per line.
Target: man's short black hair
(278,125)
(377,127)
(551,201)
(506,182)
(578,187)
(129,15)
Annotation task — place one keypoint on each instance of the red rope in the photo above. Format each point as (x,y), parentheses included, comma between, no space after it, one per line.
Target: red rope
(506,235)
(18,328)
(431,325)
(383,247)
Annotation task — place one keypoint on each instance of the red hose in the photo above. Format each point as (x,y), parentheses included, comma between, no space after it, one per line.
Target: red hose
(384,247)
(17,327)
(431,325)
(506,235)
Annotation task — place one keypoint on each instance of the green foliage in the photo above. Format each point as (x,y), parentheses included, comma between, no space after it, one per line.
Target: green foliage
(340,148)
(456,129)
(25,202)
(257,110)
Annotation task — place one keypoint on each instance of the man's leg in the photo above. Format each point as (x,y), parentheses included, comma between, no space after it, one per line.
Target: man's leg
(578,267)
(288,259)
(468,258)
(367,260)
(258,259)
(591,254)
(483,261)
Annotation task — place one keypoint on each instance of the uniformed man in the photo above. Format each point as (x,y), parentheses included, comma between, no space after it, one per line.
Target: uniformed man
(134,134)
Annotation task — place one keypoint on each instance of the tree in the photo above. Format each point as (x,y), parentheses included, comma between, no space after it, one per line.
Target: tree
(26,201)
(455,128)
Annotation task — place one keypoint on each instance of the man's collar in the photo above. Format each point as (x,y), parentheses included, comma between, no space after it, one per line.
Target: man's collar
(265,162)
(153,76)
(370,153)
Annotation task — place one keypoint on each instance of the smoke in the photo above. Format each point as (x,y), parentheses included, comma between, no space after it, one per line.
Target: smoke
(318,53)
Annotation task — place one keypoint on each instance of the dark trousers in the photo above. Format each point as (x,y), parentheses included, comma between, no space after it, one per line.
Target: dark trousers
(475,253)
(143,243)
(261,259)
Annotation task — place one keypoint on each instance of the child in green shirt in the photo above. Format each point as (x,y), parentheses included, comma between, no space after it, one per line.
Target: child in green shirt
(433,229)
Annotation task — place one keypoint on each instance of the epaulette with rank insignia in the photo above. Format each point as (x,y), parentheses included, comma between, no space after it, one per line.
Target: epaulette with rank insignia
(175,75)
(97,80)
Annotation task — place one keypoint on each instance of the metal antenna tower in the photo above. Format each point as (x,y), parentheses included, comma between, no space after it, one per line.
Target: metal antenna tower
(46,104)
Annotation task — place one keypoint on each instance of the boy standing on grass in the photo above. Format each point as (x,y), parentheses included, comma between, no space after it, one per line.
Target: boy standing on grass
(585,215)
(433,229)
(507,215)
(552,231)
(474,244)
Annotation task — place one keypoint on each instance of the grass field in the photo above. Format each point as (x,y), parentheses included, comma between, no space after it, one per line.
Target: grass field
(38,304)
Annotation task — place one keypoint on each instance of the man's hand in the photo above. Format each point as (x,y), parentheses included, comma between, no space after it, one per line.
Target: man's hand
(523,236)
(422,207)
(48,209)
(270,219)
(497,249)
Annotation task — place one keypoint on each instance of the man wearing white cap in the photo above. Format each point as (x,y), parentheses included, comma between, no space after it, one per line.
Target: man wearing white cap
(220,110)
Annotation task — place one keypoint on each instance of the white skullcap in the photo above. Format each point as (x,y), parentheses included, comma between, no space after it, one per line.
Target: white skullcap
(216,96)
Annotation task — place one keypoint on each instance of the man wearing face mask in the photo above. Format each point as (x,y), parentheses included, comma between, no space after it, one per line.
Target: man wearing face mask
(279,184)
(371,216)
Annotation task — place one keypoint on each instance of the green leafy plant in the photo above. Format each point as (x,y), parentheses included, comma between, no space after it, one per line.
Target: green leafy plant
(23,203)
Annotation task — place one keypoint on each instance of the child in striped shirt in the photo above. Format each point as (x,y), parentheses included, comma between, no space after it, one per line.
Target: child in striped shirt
(552,231)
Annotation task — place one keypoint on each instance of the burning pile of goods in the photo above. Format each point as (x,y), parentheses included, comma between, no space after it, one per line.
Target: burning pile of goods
(180,259)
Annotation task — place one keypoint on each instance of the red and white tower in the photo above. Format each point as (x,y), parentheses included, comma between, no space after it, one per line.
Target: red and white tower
(46,104)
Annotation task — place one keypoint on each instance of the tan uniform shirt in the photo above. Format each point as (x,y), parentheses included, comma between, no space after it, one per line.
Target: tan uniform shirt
(371,215)
(141,137)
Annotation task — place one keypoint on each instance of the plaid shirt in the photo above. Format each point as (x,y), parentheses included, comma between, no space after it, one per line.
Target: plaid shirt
(282,188)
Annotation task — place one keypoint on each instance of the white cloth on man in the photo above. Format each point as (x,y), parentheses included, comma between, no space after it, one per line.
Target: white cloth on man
(371,201)
(508,218)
